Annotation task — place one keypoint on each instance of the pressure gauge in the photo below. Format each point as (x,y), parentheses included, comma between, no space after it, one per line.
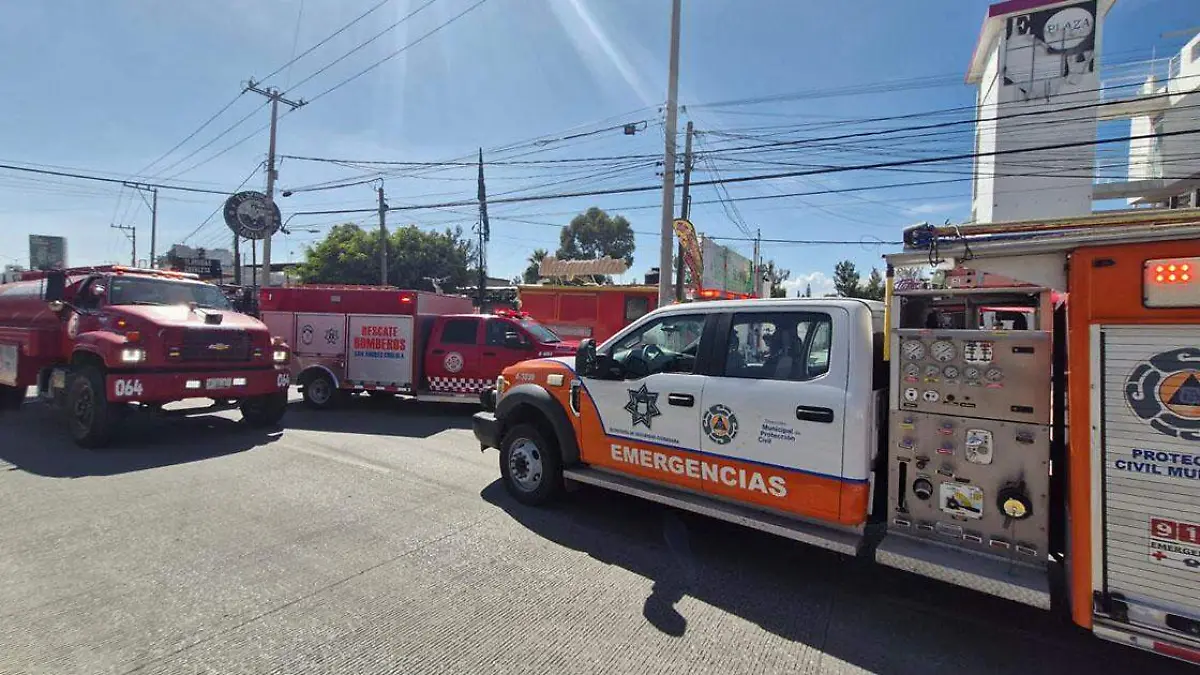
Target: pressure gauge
(971,373)
(994,375)
(912,370)
(951,372)
(932,371)
(943,350)
(913,350)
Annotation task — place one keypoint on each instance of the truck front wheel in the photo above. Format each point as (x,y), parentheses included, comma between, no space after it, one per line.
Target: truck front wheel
(530,466)
(319,391)
(90,417)
(264,411)
(11,397)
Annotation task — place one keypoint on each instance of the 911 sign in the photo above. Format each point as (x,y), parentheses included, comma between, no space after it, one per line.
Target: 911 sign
(1175,544)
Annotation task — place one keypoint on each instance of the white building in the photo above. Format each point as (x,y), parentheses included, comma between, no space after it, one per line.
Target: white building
(1164,171)
(11,273)
(1036,66)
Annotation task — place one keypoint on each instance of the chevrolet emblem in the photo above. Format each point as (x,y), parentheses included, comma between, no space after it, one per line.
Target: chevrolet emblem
(219,347)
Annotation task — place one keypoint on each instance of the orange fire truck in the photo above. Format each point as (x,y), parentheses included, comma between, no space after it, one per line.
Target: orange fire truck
(1037,418)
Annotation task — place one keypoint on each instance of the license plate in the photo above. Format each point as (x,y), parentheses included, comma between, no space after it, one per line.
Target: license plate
(219,383)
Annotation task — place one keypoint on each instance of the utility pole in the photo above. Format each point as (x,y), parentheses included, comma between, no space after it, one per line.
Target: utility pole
(668,208)
(153,216)
(758,273)
(685,208)
(485,235)
(131,234)
(237,260)
(276,97)
(383,237)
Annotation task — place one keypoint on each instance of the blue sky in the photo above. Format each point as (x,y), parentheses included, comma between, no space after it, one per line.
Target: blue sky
(108,87)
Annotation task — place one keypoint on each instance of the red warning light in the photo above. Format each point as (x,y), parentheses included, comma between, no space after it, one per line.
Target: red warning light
(1159,278)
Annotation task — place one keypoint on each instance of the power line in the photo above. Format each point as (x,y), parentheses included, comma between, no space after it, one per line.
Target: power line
(362,45)
(322,43)
(222,204)
(401,50)
(101,179)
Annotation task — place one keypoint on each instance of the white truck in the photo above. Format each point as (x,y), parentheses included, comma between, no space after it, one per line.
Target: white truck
(1041,412)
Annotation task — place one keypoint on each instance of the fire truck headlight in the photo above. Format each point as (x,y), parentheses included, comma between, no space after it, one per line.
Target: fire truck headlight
(133,355)
(280,356)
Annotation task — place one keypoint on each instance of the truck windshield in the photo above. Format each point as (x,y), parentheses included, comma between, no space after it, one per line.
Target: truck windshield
(144,291)
(540,333)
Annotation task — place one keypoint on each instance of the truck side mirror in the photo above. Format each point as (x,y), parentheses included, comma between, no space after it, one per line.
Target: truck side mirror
(585,358)
(55,289)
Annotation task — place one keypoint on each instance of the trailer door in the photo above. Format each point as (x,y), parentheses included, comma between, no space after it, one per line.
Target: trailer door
(380,350)
(1146,400)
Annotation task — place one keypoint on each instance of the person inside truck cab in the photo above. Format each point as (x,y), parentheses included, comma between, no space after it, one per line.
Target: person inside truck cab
(658,350)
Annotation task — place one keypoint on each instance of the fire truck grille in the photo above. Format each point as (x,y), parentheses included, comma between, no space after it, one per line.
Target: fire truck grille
(215,346)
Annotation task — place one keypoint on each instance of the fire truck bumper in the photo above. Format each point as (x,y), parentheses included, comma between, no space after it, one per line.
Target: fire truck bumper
(175,386)
(487,429)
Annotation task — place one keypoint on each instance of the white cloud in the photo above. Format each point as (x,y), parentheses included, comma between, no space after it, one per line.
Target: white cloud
(928,208)
(821,283)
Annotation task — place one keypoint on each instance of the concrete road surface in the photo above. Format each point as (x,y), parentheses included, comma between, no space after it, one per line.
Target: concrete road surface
(377,539)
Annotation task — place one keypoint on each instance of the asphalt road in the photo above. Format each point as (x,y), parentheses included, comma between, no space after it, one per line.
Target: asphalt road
(377,539)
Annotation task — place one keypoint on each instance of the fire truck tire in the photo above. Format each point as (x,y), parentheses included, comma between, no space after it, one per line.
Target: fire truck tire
(90,417)
(11,398)
(530,466)
(320,392)
(264,411)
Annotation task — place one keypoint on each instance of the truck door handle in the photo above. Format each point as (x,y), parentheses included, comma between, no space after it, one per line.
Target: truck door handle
(681,400)
(489,353)
(808,413)
(439,351)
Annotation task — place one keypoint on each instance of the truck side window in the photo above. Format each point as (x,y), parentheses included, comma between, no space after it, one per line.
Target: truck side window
(460,331)
(498,329)
(778,346)
(668,345)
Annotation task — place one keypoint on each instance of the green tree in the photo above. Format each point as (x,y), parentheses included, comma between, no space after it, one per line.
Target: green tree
(350,255)
(774,276)
(874,288)
(595,234)
(531,274)
(845,279)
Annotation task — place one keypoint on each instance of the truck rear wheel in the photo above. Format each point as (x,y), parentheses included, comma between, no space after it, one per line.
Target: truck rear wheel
(320,391)
(264,411)
(90,416)
(11,398)
(530,466)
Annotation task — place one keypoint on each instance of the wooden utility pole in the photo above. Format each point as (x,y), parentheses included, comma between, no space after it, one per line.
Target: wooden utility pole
(276,97)
(667,230)
(131,233)
(685,208)
(153,204)
(485,235)
(383,237)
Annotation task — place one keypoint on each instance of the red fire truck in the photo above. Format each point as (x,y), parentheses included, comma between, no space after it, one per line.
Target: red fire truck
(387,341)
(99,341)
(578,312)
